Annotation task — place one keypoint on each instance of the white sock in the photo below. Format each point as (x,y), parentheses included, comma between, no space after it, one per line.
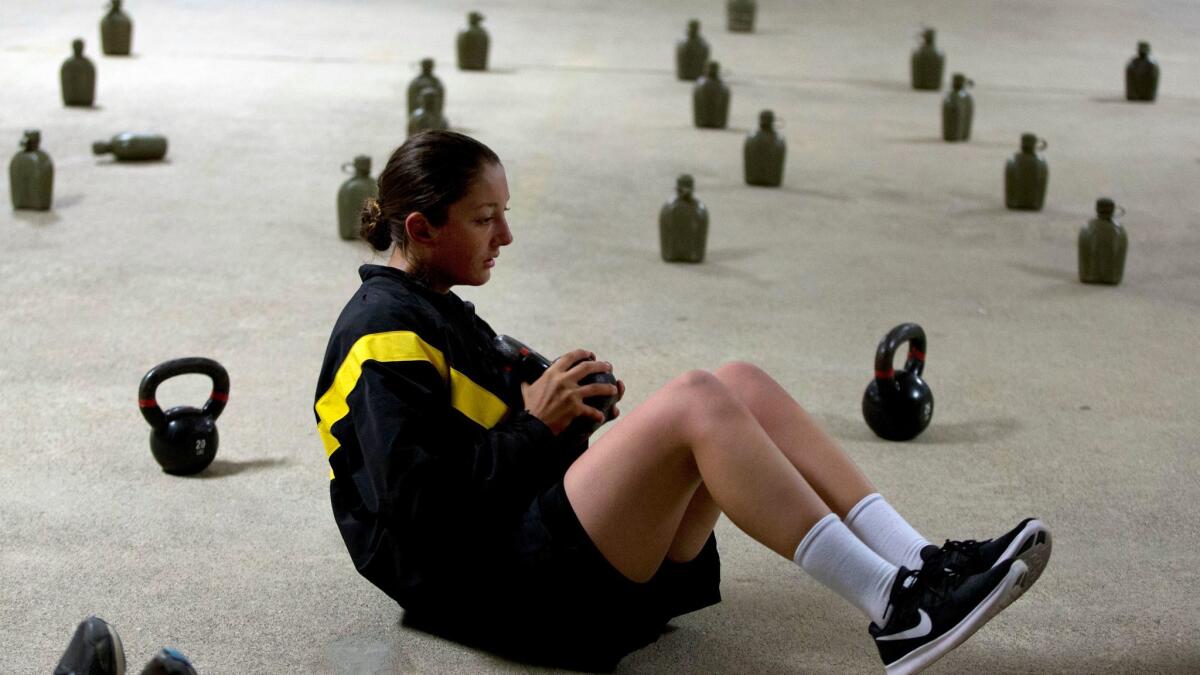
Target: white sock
(835,557)
(887,533)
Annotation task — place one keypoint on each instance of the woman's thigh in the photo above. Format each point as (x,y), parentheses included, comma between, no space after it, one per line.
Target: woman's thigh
(814,453)
(632,487)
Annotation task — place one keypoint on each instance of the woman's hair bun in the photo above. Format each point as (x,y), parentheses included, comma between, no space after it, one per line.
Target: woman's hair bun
(371,226)
(431,171)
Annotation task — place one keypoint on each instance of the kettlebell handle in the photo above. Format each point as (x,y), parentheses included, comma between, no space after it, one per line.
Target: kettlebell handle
(189,365)
(349,165)
(914,364)
(529,363)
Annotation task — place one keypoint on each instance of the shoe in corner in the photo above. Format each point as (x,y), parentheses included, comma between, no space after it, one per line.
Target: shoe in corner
(94,649)
(931,613)
(168,662)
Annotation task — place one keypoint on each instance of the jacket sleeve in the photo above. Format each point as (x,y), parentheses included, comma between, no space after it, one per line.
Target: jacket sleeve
(426,465)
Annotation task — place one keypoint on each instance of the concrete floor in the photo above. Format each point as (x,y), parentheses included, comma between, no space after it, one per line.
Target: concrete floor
(1074,403)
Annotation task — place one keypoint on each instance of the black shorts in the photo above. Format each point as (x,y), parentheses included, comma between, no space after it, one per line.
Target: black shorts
(565,605)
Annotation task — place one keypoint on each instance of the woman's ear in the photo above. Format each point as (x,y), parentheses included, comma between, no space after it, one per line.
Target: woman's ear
(418,228)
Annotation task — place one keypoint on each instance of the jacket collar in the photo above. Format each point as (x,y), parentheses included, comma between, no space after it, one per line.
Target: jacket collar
(448,300)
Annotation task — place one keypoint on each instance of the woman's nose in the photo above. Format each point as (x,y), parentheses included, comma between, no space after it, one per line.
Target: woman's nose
(505,233)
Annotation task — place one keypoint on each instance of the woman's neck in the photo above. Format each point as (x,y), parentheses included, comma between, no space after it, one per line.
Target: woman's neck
(415,270)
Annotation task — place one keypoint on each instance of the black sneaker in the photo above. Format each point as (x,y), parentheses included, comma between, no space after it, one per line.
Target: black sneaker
(1029,541)
(94,649)
(930,613)
(168,662)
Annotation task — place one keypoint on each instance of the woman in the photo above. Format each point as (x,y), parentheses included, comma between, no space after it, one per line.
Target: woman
(459,494)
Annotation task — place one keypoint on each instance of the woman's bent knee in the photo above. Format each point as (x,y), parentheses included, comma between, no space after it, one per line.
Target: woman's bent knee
(694,378)
(739,371)
(704,399)
(754,387)
(698,388)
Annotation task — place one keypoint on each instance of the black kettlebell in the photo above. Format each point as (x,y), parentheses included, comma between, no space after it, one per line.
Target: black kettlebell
(899,405)
(528,365)
(184,439)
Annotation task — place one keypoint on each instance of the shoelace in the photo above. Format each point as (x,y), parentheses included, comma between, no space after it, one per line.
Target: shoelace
(957,555)
(939,580)
(933,578)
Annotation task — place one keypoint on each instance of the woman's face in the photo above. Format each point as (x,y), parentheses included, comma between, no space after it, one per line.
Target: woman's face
(467,245)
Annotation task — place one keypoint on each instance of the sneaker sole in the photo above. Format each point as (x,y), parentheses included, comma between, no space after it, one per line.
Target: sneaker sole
(118,651)
(1032,546)
(1009,589)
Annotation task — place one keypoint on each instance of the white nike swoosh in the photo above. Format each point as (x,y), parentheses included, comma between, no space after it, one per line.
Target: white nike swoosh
(920,630)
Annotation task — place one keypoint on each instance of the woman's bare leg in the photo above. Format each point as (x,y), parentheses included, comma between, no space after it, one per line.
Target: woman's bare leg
(835,477)
(633,486)
(830,471)
(697,524)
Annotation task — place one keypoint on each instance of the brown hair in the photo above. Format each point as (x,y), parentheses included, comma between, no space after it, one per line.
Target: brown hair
(431,171)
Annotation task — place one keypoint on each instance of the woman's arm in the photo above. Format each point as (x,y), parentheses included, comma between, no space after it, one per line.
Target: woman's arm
(428,456)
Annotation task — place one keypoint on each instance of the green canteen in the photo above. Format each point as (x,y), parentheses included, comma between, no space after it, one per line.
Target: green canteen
(1026,175)
(710,99)
(957,110)
(116,31)
(131,147)
(427,116)
(473,44)
(691,53)
(353,194)
(683,224)
(425,80)
(928,63)
(1141,75)
(78,77)
(740,15)
(1102,246)
(31,175)
(763,153)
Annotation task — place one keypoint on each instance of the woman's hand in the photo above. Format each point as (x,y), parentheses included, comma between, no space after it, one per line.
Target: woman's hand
(556,397)
(616,412)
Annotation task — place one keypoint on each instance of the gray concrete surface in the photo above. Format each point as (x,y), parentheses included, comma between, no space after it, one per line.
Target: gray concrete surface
(1074,403)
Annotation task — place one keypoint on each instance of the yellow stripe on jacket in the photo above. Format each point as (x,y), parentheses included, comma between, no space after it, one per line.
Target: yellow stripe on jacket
(472,400)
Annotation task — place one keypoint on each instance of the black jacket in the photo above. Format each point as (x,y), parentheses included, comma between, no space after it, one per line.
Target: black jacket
(433,459)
